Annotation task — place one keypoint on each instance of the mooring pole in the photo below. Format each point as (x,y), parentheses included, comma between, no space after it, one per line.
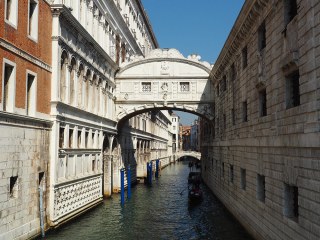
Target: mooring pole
(41,211)
(129,182)
(147,173)
(122,186)
(151,172)
(157,168)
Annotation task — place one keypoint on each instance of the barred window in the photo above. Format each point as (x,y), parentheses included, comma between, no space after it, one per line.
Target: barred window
(184,86)
(146,87)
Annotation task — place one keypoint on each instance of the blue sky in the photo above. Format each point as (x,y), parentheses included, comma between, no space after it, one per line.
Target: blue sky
(190,26)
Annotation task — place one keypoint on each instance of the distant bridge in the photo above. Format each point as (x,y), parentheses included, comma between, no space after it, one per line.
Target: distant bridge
(194,154)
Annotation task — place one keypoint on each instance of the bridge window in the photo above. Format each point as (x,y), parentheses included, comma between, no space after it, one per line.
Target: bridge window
(243,179)
(224,84)
(222,169)
(146,86)
(184,86)
(233,73)
(261,188)
(291,204)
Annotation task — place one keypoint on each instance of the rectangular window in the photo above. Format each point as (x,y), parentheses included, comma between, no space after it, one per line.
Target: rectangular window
(233,73)
(33,19)
(13,187)
(8,91)
(184,86)
(93,164)
(261,188)
(293,90)
(61,138)
(233,116)
(262,36)
(291,203)
(41,179)
(243,179)
(290,10)
(31,95)
(222,169)
(245,111)
(244,57)
(146,86)
(11,12)
(79,139)
(87,140)
(70,138)
(224,84)
(263,103)
(224,121)
(231,174)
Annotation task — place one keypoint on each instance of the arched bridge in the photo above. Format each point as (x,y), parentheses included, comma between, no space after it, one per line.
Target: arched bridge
(164,79)
(193,154)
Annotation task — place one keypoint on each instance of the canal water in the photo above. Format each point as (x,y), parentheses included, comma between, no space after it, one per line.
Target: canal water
(158,212)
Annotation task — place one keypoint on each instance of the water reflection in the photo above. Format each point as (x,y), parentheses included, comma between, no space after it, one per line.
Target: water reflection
(158,212)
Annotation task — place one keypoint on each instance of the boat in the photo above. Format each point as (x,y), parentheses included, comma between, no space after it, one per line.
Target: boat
(194,177)
(195,193)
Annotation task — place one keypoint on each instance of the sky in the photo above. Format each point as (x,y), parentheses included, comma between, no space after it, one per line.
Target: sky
(193,27)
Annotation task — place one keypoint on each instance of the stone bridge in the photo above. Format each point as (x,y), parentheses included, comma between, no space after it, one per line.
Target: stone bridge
(193,154)
(164,79)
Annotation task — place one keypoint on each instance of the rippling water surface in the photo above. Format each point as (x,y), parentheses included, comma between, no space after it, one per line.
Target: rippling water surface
(157,212)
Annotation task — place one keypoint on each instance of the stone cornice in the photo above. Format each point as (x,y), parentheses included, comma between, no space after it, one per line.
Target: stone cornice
(23,54)
(249,13)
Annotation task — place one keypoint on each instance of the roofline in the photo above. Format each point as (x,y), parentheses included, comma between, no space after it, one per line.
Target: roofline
(148,25)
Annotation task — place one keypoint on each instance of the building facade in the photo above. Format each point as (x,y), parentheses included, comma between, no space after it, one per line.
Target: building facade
(90,41)
(25,67)
(175,132)
(261,157)
(194,137)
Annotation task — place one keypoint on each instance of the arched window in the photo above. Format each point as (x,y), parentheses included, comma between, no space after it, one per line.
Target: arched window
(73,79)
(80,86)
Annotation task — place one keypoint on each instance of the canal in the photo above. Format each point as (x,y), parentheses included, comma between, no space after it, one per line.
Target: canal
(158,212)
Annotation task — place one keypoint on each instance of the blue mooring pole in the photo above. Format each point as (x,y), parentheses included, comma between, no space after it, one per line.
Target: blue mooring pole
(122,186)
(147,172)
(129,182)
(150,173)
(157,168)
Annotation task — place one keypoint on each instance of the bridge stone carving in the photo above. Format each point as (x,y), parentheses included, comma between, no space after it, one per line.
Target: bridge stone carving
(164,79)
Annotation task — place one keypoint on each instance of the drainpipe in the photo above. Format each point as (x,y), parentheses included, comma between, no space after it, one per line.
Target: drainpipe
(41,211)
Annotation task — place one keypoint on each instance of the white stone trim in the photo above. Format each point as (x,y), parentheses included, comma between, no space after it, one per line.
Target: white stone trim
(8,46)
(33,93)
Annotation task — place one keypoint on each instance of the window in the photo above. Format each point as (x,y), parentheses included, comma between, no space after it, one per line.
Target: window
(41,179)
(61,138)
(262,36)
(146,87)
(263,103)
(231,174)
(292,90)
(70,138)
(184,87)
(13,187)
(261,188)
(33,19)
(233,116)
(8,92)
(291,203)
(290,10)
(244,57)
(222,169)
(11,12)
(233,73)
(31,94)
(244,111)
(79,139)
(93,163)
(243,179)
(224,121)
(224,84)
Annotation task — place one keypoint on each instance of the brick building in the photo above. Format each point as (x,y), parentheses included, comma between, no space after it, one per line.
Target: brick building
(262,157)
(25,67)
